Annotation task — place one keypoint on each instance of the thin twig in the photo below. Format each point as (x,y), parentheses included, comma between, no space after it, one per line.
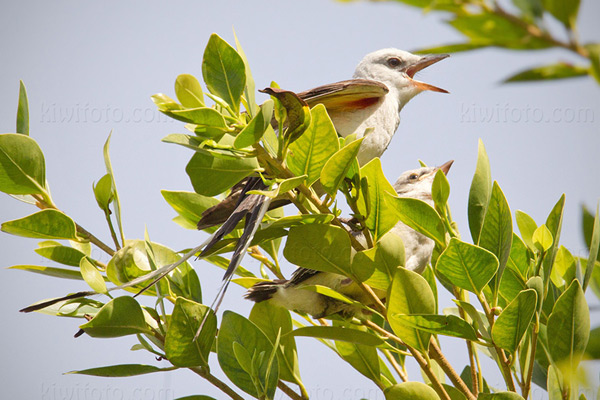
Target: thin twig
(290,393)
(437,386)
(527,383)
(436,353)
(217,383)
(395,365)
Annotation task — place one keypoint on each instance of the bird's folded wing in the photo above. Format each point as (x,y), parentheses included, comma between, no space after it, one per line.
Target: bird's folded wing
(350,94)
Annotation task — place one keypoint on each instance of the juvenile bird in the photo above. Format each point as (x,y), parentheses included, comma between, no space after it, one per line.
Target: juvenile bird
(417,247)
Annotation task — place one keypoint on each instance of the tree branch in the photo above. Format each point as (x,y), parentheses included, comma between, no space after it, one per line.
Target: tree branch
(217,383)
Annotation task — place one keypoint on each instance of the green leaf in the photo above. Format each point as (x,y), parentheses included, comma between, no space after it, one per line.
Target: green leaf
(120,317)
(337,167)
(180,347)
(45,224)
(189,206)
(236,328)
(22,166)
(592,350)
(121,371)
(526,226)
(311,151)
(594,249)
(530,8)
(131,262)
(480,193)
(383,211)
(440,190)
(103,192)
(454,48)
(513,322)
(273,320)
(379,264)
(207,122)
(362,357)
(213,175)
(554,225)
(410,390)
(448,325)
(320,247)
(196,397)
(542,239)
(564,268)
(496,30)
(189,91)
(50,271)
(224,71)
(61,254)
(338,333)
(499,396)
(420,216)
(410,294)
(117,202)
(518,259)
(250,88)
(254,131)
(547,72)
(23,111)
(569,328)
(511,285)
(92,276)
(563,10)
(496,232)
(467,266)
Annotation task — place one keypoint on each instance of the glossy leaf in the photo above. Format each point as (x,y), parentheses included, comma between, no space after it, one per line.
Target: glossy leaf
(448,325)
(440,189)
(497,232)
(564,268)
(45,224)
(213,175)
(594,249)
(362,357)
(554,225)
(61,254)
(50,271)
(338,333)
(467,266)
(410,294)
(546,72)
(22,166)
(273,320)
(479,193)
(319,247)
(569,328)
(383,211)
(420,216)
(256,128)
(337,167)
(526,226)
(237,329)
(513,322)
(120,317)
(207,122)
(250,88)
(410,390)
(518,260)
(188,91)
(311,151)
(189,206)
(92,276)
(224,71)
(103,192)
(23,111)
(563,10)
(379,264)
(542,238)
(180,347)
(120,371)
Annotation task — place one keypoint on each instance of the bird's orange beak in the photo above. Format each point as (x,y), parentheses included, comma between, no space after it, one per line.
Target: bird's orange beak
(425,62)
(445,167)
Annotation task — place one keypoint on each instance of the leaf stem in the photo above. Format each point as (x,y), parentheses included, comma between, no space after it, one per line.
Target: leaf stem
(437,386)
(399,370)
(113,234)
(290,393)
(436,353)
(216,382)
(534,334)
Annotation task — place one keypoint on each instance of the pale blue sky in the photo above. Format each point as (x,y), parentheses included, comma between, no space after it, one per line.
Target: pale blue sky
(91,67)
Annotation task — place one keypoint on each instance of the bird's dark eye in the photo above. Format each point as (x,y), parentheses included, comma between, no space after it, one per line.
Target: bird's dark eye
(394,62)
(413,177)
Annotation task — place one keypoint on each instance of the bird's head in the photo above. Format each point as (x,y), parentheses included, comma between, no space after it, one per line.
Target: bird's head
(396,69)
(417,183)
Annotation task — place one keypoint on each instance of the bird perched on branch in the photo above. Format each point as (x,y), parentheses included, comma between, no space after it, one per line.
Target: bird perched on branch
(383,84)
(415,184)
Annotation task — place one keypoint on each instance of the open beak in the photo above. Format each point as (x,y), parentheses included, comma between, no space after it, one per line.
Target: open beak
(425,62)
(445,167)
